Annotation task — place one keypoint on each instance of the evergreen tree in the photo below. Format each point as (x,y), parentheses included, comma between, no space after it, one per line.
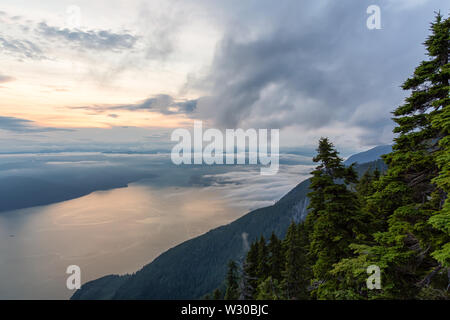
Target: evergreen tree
(440,121)
(217,294)
(249,279)
(365,186)
(207,297)
(276,257)
(411,246)
(246,289)
(295,275)
(335,220)
(263,259)
(232,282)
(304,261)
(399,221)
(414,168)
(269,289)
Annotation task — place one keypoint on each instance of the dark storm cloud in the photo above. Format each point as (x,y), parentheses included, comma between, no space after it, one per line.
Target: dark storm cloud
(24,126)
(91,39)
(161,103)
(310,64)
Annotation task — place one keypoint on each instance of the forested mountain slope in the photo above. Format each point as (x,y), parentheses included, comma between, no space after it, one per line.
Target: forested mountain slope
(198,266)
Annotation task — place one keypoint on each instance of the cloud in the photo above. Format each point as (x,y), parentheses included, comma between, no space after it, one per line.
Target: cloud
(19,125)
(162,103)
(311,65)
(45,40)
(101,40)
(22,49)
(246,187)
(405,4)
(5,78)
(159,30)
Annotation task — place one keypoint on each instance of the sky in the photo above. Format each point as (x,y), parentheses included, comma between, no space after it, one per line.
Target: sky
(100,75)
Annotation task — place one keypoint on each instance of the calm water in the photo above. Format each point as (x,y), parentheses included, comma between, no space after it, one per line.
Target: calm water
(116,231)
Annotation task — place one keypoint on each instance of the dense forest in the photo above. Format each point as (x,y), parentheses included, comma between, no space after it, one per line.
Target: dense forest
(394,223)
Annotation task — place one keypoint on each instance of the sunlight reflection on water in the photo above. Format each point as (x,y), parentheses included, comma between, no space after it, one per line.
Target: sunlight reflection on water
(116,231)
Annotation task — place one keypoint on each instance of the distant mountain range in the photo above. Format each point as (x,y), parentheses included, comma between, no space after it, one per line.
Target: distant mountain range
(17,192)
(198,266)
(369,155)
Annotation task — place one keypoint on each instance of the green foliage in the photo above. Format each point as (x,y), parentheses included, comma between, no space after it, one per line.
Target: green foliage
(295,275)
(269,289)
(250,271)
(217,295)
(398,221)
(276,257)
(232,282)
(335,218)
(263,269)
(409,205)
(352,275)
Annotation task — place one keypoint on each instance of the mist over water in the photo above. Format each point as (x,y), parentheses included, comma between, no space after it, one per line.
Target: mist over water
(119,230)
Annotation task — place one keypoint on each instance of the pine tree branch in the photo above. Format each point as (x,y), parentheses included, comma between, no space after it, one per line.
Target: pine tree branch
(426,281)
